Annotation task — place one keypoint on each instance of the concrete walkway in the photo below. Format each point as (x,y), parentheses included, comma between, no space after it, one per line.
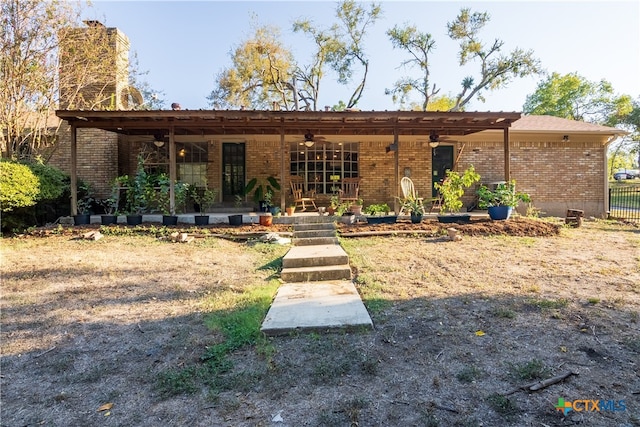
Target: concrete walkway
(318,293)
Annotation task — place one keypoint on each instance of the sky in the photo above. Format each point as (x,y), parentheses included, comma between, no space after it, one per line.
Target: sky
(184,45)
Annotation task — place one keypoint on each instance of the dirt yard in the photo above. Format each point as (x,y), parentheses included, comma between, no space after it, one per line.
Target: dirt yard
(107,332)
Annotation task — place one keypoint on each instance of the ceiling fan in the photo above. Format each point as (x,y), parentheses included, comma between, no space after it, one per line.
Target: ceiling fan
(310,139)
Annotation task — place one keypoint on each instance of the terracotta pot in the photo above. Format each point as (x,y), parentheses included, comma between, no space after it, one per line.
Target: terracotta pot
(266,220)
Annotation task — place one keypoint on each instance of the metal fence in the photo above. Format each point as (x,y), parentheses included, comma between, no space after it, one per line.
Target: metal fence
(624,203)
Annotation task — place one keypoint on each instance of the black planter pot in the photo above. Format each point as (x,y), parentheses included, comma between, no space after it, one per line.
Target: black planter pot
(263,206)
(201,219)
(416,218)
(387,219)
(82,219)
(109,219)
(169,219)
(134,219)
(456,218)
(235,219)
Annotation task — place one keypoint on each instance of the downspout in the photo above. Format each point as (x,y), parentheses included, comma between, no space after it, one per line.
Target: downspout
(74,170)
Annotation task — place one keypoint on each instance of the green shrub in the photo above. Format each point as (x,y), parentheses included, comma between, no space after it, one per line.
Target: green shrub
(53,182)
(19,186)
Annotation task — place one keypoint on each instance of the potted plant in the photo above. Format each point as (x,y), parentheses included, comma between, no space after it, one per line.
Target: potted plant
(203,200)
(501,201)
(334,201)
(356,208)
(110,205)
(260,190)
(415,206)
(265,219)
(379,214)
(83,204)
(452,189)
(290,209)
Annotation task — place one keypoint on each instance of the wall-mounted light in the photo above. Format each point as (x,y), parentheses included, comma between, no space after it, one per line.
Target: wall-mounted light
(565,138)
(182,152)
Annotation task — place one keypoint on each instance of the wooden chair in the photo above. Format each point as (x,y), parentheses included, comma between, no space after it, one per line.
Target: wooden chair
(349,190)
(408,191)
(302,197)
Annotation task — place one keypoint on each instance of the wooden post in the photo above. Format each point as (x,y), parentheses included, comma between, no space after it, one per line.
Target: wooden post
(282,168)
(172,171)
(74,170)
(507,156)
(396,167)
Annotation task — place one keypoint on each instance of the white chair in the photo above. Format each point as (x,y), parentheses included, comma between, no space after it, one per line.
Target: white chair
(408,192)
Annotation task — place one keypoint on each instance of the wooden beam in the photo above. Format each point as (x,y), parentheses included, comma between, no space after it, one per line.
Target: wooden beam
(172,171)
(507,155)
(282,169)
(74,170)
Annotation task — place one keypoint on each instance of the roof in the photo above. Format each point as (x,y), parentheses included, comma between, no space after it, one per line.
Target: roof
(532,123)
(243,122)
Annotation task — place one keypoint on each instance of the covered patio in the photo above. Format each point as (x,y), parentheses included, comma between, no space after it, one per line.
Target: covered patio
(282,125)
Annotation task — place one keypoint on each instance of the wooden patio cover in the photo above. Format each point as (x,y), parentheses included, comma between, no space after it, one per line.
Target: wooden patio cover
(252,122)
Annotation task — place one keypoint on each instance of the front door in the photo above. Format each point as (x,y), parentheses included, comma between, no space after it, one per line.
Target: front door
(441,161)
(233,170)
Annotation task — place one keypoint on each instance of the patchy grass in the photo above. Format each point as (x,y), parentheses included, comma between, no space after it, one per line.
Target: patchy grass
(169,333)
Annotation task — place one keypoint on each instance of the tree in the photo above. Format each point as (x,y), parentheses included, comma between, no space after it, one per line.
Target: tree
(261,74)
(419,45)
(571,96)
(47,62)
(496,70)
(265,73)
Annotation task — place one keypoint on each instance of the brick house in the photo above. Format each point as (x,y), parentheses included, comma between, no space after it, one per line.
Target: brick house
(560,163)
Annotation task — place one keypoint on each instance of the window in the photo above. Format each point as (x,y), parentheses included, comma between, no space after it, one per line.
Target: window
(324,164)
(191,159)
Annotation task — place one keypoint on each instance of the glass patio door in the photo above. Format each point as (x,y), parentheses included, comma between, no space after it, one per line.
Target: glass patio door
(233,170)
(441,161)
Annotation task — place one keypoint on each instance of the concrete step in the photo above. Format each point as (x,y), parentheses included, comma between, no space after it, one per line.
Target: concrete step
(312,241)
(314,256)
(314,226)
(316,273)
(316,307)
(307,234)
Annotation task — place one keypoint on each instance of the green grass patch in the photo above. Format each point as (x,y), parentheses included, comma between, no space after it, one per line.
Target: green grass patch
(504,313)
(532,370)
(502,404)
(238,318)
(371,292)
(468,374)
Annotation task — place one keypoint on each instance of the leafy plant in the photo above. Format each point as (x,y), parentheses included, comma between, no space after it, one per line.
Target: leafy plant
(19,186)
(413,204)
(261,189)
(452,188)
(85,198)
(203,198)
(504,195)
(377,209)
